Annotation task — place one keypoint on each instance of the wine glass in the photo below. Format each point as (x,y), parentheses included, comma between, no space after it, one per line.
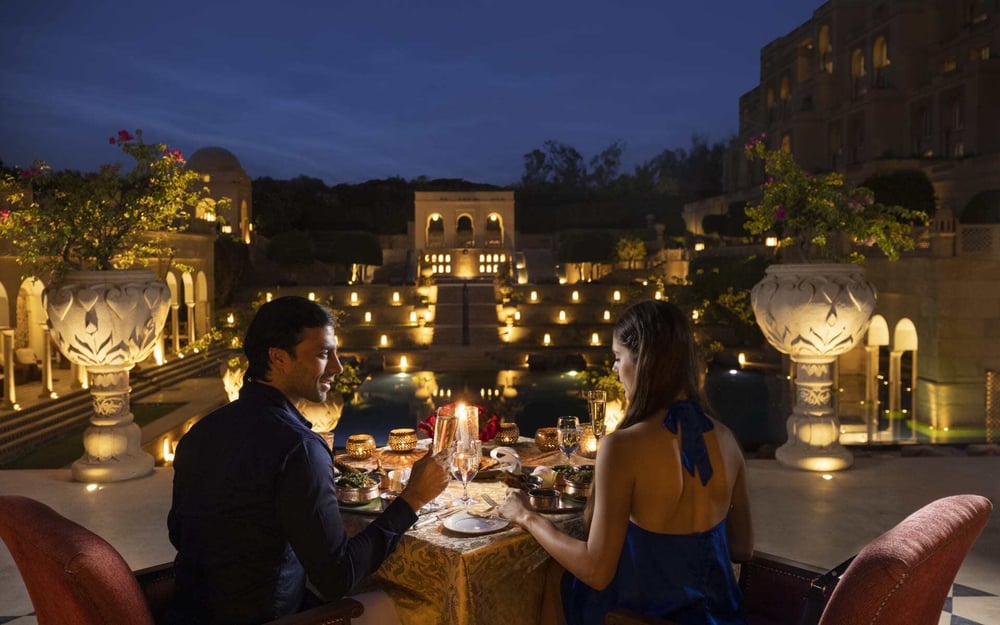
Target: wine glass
(597,403)
(568,436)
(465,465)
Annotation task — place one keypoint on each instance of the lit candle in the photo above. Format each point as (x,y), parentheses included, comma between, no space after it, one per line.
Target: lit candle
(588,442)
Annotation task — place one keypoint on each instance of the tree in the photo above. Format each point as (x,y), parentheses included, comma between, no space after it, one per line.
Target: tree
(631,249)
(604,167)
(292,248)
(354,249)
(586,246)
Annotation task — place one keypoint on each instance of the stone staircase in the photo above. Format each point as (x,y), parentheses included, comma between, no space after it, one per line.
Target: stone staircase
(465,327)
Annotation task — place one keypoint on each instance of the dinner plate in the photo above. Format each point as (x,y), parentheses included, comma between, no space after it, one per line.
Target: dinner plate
(463,523)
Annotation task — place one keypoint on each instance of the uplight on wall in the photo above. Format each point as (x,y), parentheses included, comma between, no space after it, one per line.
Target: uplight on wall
(268,296)
(607,315)
(616,296)
(699,247)
(312,296)
(658,295)
(547,339)
(595,339)
(533,296)
(403,362)
(562,316)
(413,316)
(771,241)
(383,341)
(517,315)
(576,296)
(368,317)
(354,298)
(395,297)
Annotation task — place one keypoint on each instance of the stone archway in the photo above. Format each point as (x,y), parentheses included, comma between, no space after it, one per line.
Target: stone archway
(30,316)
(4,307)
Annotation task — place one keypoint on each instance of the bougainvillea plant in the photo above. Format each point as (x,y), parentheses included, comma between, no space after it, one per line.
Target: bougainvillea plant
(815,217)
(60,221)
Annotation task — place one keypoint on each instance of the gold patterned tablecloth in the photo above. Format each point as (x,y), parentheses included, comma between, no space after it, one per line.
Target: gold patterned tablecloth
(437,576)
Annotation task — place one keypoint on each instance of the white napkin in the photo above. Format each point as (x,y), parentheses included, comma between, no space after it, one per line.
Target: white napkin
(507,459)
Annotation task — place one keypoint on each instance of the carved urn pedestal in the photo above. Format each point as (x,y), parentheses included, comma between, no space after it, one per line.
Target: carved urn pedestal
(107,321)
(813,313)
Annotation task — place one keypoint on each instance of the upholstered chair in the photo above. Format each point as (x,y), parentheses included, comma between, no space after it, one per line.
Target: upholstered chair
(75,577)
(900,578)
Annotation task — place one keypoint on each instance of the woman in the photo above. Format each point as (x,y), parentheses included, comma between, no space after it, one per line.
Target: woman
(669,499)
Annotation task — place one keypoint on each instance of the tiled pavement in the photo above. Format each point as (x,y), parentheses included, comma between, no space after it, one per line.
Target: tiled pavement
(797,515)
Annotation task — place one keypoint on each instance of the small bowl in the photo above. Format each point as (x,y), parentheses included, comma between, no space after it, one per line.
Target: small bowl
(360,446)
(543,498)
(387,499)
(546,439)
(357,496)
(403,439)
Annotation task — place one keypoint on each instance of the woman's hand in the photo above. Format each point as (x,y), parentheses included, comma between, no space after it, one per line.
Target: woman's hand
(515,506)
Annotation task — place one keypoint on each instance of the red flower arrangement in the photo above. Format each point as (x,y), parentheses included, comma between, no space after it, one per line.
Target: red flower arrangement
(487,432)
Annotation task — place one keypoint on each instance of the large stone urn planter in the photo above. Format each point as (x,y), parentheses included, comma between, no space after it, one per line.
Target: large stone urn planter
(813,313)
(107,321)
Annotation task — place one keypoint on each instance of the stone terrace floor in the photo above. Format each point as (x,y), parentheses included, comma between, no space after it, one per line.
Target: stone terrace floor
(796,514)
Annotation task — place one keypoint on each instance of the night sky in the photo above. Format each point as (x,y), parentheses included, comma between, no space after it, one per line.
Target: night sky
(348,91)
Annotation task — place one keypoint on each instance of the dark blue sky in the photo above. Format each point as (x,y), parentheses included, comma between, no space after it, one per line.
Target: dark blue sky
(352,90)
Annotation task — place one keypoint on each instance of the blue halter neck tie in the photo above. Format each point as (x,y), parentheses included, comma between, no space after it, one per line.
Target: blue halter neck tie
(693,424)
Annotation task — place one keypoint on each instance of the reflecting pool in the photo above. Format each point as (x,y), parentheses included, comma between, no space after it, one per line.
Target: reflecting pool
(533,399)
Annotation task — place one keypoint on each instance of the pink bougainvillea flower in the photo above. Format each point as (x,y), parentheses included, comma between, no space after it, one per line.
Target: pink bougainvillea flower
(111,140)
(779,212)
(124,135)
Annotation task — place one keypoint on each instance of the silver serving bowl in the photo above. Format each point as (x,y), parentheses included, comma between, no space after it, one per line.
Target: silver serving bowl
(357,496)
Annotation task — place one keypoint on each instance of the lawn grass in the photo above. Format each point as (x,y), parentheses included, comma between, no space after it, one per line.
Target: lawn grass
(69,447)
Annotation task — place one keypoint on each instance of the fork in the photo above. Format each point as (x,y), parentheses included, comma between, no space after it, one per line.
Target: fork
(488,512)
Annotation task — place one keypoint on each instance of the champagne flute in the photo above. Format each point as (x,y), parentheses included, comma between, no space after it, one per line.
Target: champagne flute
(568,436)
(465,465)
(445,426)
(597,403)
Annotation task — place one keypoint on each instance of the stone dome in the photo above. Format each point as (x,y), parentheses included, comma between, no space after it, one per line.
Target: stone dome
(213,159)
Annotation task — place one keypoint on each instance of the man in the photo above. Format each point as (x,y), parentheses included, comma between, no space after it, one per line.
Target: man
(254,509)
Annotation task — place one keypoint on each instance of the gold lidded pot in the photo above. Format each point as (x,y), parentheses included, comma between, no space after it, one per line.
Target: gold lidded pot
(403,439)
(509,433)
(360,446)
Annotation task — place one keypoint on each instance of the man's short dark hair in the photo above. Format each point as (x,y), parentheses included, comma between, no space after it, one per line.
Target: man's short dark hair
(280,323)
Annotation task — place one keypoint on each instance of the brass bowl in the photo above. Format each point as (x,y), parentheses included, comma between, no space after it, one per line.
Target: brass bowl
(357,496)
(360,446)
(543,498)
(403,439)
(546,439)
(509,434)
(575,487)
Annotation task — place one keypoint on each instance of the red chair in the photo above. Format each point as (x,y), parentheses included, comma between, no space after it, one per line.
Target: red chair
(75,577)
(900,578)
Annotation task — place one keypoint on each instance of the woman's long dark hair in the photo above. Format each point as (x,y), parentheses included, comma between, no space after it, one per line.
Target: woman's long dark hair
(668,367)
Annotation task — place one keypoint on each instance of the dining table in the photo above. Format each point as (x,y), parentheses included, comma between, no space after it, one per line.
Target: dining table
(440,575)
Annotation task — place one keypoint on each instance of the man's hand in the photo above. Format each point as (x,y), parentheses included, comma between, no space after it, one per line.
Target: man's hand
(428,479)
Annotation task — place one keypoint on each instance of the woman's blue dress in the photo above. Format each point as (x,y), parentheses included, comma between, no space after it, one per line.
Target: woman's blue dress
(684,577)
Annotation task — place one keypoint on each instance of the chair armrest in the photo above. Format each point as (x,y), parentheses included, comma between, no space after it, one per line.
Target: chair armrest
(335,613)
(157,583)
(774,588)
(621,616)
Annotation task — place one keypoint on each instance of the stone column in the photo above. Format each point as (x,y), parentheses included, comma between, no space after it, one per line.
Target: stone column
(175,327)
(48,391)
(9,390)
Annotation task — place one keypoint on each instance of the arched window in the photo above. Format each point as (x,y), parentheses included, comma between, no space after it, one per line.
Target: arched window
(858,72)
(880,61)
(465,235)
(494,230)
(825,50)
(435,231)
